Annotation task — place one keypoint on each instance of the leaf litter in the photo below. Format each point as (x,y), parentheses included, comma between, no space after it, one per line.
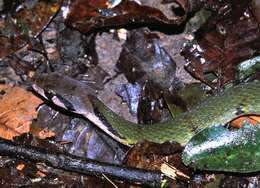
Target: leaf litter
(84,45)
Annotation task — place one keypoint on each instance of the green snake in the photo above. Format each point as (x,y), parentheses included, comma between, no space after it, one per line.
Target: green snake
(76,97)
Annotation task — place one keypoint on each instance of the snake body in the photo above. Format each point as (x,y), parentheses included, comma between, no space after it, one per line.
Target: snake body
(233,102)
(220,109)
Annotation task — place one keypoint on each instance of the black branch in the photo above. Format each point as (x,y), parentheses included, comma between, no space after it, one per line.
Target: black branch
(83,166)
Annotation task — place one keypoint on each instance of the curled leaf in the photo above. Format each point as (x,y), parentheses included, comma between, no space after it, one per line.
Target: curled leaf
(222,43)
(89,15)
(144,59)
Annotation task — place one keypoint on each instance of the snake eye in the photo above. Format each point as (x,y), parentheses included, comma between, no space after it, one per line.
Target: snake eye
(49,94)
(52,92)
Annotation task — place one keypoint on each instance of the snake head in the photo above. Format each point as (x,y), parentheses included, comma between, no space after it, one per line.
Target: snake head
(72,95)
(63,91)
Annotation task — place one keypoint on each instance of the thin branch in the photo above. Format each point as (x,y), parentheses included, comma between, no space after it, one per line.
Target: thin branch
(79,165)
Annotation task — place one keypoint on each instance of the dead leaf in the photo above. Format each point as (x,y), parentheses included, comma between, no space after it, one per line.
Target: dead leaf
(20,166)
(41,133)
(17,109)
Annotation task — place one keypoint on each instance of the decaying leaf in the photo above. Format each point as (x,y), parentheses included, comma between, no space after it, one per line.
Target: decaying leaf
(144,59)
(130,93)
(152,156)
(99,14)
(17,110)
(27,20)
(220,46)
(71,45)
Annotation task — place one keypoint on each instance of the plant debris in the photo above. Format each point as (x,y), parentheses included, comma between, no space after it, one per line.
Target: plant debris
(18,109)
(147,60)
(20,21)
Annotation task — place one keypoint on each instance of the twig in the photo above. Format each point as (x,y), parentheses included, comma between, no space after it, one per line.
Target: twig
(79,165)
(110,181)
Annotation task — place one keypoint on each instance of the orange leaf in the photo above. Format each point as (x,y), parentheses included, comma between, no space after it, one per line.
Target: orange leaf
(41,133)
(238,123)
(20,166)
(17,109)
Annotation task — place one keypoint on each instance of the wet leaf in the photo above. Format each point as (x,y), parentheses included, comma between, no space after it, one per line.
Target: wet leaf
(87,141)
(219,149)
(98,14)
(130,93)
(144,59)
(219,45)
(248,69)
(151,106)
(79,136)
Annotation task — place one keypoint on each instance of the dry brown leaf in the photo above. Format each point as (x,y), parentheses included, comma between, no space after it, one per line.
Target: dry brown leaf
(20,166)
(41,133)
(40,174)
(17,110)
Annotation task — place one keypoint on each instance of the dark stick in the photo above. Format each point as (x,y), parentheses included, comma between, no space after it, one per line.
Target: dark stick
(79,165)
